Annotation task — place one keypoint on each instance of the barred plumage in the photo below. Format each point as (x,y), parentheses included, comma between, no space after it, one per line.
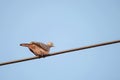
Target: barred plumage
(38,48)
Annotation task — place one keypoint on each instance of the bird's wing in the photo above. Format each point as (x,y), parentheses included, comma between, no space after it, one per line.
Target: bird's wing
(43,46)
(33,52)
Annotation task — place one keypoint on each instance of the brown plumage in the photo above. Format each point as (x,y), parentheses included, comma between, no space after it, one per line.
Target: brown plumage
(37,48)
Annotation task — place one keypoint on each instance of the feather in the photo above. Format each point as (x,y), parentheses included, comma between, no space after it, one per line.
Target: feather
(42,45)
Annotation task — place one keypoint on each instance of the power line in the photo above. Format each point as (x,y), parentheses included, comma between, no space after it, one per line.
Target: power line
(61,52)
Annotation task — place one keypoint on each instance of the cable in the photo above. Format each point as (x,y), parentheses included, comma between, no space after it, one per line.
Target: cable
(61,52)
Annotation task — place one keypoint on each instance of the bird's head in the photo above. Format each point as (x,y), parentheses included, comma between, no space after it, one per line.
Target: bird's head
(50,44)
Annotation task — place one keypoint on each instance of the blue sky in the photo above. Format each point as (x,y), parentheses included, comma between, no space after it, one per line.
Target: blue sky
(68,24)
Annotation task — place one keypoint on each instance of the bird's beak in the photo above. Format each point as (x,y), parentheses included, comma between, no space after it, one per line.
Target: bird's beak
(24,44)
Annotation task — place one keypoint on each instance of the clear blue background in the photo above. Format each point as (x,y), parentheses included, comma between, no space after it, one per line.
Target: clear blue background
(68,24)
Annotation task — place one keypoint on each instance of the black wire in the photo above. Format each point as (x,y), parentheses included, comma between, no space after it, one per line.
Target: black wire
(61,52)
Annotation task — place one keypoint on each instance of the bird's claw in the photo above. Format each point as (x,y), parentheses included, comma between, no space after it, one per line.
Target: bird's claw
(43,56)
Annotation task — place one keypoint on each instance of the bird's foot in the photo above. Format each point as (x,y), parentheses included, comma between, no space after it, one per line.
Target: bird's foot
(43,56)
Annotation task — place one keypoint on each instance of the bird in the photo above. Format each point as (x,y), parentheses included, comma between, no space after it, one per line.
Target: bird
(38,48)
